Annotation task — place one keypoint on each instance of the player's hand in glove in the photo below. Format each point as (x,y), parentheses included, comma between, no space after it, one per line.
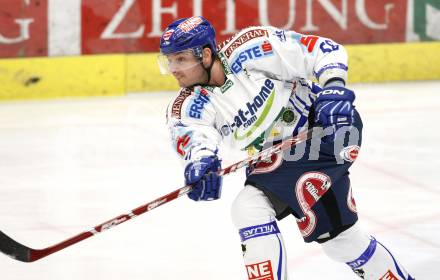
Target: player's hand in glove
(334,109)
(202,175)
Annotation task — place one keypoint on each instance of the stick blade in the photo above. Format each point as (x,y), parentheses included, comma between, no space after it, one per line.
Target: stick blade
(14,249)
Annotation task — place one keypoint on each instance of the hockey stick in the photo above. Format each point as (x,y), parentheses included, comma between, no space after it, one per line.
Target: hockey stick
(23,253)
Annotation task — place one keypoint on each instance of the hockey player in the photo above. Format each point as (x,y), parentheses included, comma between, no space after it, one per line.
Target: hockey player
(255,89)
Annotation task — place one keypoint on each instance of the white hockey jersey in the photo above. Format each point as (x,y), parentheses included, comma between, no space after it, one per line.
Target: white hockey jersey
(268,91)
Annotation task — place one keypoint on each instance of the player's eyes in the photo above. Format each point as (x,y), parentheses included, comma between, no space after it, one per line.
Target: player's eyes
(181,59)
(177,60)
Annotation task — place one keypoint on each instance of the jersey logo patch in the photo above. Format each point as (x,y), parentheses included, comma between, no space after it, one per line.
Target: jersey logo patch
(288,116)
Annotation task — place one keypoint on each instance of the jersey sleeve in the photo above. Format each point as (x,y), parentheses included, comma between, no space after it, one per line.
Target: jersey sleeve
(312,56)
(295,55)
(191,121)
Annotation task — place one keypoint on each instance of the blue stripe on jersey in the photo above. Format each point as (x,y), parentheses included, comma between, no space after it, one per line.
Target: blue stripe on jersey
(298,109)
(302,102)
(330,66)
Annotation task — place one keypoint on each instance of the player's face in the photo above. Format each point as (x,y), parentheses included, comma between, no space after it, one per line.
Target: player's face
(186,68)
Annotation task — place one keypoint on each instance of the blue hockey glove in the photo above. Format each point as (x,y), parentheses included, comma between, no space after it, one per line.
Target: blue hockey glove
(202,175)
(334,109)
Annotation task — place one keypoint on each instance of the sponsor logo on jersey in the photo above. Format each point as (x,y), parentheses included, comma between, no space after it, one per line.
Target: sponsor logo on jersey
(309,188)
(389,276)
(225,65)
(350,153)
(253,52)
(176,108)
(227,85)
(316,184)
(260,271)
(190,24)
(259,230)
(198,104)
(243,38)
(247,117)
(281,35)
(221,45)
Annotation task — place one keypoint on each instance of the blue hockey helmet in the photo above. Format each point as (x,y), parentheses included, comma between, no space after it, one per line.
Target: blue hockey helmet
(188,33)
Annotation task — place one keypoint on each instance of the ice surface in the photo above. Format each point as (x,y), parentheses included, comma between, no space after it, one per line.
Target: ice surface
(68,165)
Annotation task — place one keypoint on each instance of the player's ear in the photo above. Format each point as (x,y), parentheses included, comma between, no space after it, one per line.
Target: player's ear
(206,56)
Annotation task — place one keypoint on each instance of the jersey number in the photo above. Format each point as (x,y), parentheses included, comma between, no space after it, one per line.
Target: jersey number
(328,46)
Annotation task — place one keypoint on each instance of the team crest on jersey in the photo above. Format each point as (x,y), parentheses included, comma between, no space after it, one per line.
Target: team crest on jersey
(243,38)
(288,117)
